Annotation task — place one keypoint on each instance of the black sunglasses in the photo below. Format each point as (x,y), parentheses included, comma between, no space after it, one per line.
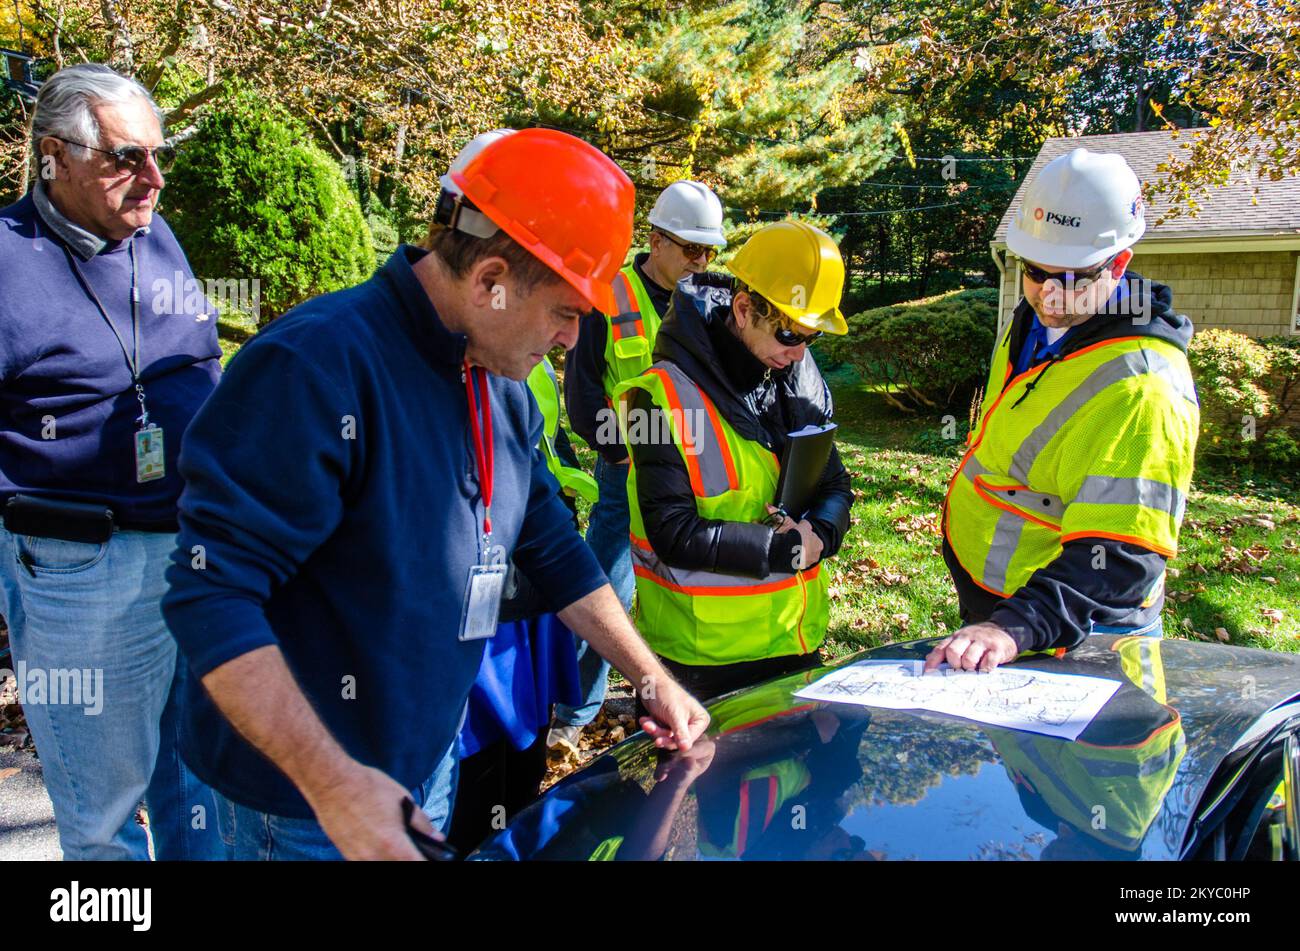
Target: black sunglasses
(1077,280)
(134,157)
(788,338)
(691,249)
(783,334)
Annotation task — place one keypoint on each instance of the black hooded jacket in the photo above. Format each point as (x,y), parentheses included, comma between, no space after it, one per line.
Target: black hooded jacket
(1059,604)
(762,406)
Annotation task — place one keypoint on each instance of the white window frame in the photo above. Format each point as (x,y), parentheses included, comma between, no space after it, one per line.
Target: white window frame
(1295,300)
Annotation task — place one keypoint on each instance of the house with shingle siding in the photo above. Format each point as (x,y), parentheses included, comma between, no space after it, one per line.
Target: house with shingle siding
(1236,265)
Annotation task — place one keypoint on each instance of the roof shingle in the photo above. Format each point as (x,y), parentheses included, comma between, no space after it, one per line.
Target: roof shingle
(1225,210)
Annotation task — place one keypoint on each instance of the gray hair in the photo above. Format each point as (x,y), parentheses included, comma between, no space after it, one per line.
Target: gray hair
(64,104)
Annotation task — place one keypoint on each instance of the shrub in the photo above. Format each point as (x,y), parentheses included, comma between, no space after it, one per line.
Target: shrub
(252,198)
(1249,390)
(927,354)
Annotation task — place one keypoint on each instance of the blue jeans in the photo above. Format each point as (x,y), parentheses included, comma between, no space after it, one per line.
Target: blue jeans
(607,538)
(439,790)
(252,836)
(98,666)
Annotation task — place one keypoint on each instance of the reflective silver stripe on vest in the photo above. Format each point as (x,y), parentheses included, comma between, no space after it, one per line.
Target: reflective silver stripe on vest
(627,312)
(698,431)
(1137,363)
(1114,490)
(687,578)
(1006,536)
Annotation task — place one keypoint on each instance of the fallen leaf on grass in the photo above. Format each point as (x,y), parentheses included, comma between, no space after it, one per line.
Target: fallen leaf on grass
(1222,634)
(1274,616)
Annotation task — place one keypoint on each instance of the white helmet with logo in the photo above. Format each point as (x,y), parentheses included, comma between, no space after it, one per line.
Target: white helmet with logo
(689,211)
(1080,210)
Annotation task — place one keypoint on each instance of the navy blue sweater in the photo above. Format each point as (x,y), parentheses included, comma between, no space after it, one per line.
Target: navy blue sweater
(352,554)
(60,361)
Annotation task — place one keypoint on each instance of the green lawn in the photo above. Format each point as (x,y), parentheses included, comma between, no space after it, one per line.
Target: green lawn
(1238,570)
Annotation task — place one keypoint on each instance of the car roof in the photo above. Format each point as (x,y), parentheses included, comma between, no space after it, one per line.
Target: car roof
(787,778)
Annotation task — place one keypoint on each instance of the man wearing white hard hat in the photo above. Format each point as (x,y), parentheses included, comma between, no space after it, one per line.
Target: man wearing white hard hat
(1068,501)
(685,235)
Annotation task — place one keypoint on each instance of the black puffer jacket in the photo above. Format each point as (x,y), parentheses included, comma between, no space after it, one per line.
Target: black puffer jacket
(762,406)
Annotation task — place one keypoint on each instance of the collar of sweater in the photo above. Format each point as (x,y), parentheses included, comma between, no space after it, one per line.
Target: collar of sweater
(441,346)
(81,242)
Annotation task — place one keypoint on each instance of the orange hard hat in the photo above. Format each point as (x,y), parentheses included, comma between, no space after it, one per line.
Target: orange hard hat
(565,201)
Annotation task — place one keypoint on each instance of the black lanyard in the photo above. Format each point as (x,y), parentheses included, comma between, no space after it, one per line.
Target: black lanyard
(132,355)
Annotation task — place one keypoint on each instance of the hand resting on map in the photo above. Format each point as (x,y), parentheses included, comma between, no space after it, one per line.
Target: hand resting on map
(974,647)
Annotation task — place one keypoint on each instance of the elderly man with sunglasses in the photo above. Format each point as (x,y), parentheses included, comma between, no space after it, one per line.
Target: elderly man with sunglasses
(1068,502)
(728,591)
(685,235)
(99,378)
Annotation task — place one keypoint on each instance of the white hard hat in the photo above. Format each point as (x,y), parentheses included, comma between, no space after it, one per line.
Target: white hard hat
(1081,209)
(690,211)
(466,155)
(451,210)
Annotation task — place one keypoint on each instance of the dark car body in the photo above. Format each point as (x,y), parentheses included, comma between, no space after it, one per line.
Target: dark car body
(1195,756)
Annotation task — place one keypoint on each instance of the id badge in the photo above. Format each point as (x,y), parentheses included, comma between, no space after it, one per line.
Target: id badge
(482,601)
(149,454)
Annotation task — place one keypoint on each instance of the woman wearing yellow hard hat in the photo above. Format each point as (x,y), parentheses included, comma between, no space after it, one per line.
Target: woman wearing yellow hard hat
(728,591)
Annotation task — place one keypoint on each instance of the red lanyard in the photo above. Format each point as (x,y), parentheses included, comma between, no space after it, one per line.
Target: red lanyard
(480,422)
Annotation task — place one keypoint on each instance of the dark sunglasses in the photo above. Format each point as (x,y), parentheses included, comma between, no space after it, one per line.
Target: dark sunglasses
(134,157)
(783,334)
(692,250)
(1077,280)
(788,338)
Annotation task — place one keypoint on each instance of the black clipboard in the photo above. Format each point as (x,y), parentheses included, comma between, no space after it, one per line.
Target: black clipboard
(803,461)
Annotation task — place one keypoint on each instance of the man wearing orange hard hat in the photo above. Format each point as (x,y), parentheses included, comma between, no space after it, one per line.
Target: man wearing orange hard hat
(355,489)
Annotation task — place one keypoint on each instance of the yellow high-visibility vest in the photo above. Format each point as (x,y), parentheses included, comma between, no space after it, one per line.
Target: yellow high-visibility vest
(546,390)
(704,617)
(1099,444)
(630,336)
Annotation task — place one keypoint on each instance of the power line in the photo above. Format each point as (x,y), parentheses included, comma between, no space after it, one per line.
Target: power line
(916,158)
(847,214)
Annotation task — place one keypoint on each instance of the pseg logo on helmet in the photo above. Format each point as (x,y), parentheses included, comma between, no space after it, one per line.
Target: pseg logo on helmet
(1055,218)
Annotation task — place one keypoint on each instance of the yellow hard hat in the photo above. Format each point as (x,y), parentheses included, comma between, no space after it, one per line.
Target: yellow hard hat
(799,269)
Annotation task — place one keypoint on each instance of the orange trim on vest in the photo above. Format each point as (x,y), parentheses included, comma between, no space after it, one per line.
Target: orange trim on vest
(1114,536)
(1175,722)
(675,406)
(1008,507)
(726,591)
(771,716)
(732,481)
(636,309)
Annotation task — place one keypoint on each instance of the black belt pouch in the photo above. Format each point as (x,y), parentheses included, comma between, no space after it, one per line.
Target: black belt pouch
(69,521)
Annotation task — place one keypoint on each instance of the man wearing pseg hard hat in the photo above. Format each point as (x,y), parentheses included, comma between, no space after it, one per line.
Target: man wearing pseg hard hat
(354,490)
(726,594)
(615,345)
(1068,501)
